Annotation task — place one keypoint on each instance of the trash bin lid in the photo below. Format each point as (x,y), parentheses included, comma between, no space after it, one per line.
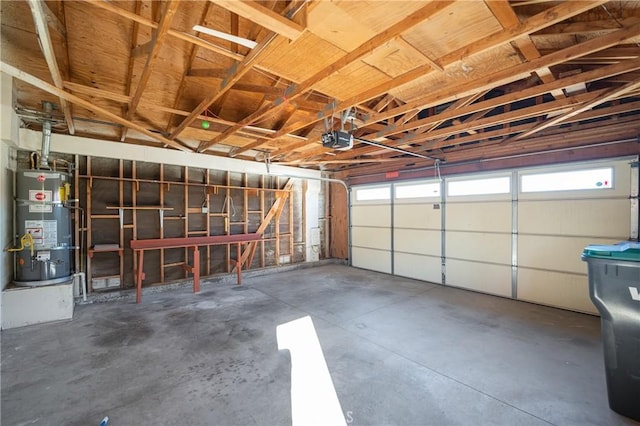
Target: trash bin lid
(625,250)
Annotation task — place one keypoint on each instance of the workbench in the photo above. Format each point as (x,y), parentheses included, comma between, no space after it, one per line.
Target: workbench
(139,247)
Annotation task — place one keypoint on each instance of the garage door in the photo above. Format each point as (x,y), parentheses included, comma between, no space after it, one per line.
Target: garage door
(560,211)
(478,233)
(371,228)
(417,230)
(516,234)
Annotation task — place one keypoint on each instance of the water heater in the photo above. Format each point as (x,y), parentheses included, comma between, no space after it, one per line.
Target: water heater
(45,222)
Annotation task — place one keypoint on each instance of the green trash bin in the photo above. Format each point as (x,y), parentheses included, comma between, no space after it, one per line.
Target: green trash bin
(614,287)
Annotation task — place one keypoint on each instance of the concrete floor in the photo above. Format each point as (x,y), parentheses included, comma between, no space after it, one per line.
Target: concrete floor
(399,351)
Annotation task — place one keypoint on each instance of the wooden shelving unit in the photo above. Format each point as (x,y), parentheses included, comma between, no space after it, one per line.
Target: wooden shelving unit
(207,202)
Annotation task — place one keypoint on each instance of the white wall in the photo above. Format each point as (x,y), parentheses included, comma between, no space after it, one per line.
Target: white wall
(30,140)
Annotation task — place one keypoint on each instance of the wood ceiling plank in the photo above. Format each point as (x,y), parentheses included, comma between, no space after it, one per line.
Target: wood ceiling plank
(236,72)
(587,27)
(265,17)
(542,20)
(109,6)
(502,10)
(193,52)
(53,20)
(218,73)
(43,85)
(363,50)
(530,92)
(46,46)
(508,75)
(157,40)
(556,14)
(135,31)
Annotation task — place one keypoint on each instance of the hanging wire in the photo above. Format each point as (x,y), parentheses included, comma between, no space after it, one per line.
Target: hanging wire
(228,200)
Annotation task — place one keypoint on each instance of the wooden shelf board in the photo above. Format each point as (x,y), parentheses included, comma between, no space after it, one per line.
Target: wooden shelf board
(139,208)
(168,265)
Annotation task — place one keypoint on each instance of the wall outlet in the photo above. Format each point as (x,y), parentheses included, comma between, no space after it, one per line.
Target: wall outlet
(205,210)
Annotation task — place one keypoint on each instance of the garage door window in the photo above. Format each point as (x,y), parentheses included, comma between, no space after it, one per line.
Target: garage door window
(568,181)
(499,185)
(373,194)
(419,190)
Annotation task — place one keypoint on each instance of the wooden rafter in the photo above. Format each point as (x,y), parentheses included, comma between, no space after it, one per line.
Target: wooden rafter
(109,6)
(46,45)
(364,49)
(132,57)
(193,51)
(597,100)
(585,134)
(507,17)
(505,76)
(235,73)
(43,85)
(452,113)
(263,16)
(535,23)
(504,132)
(438,139)
(156,43)
(124,99)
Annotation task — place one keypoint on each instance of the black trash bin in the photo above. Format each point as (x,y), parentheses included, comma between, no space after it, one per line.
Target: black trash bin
(614,287)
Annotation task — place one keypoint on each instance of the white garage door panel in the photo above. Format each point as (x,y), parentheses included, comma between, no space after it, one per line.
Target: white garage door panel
(377,238)
(597,218)
(493,279)
(419,267)
(482,217)
(417,241)
(569,291)
(371,215)
(375,260)
(481,247)
(416,216)
(555,253)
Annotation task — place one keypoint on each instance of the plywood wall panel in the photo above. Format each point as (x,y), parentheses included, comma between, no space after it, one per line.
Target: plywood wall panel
(438,36)
(290,59)
(338,231)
